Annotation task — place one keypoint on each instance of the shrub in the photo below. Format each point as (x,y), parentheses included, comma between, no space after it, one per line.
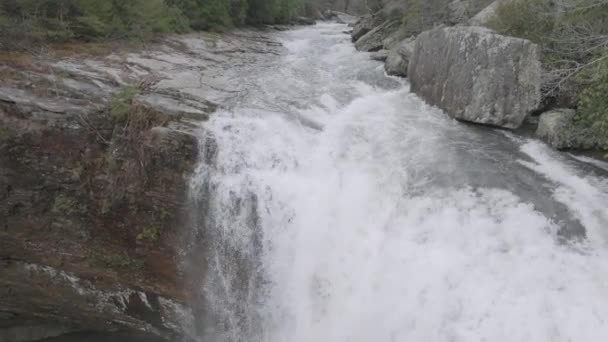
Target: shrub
(24,23)
(122,102)
(574,38)
(65,205)
(116,261)
(592,113)
(151,233)
(530,19)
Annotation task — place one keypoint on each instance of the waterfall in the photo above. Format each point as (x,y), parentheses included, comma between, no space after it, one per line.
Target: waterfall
(334,205)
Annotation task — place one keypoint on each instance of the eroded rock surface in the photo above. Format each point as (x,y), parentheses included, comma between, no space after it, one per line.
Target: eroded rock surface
(366,24)
(396,38)
(374,39)
(398,58)
(95,158)
(477,75)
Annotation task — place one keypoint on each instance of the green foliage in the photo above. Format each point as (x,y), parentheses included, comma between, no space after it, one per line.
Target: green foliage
(412,21)
(37,21)
(238,11)
(117,261)
(592,113)
(150,234)
(530,19)
(573,35)
(65,205)
(270,11)
(422,15)
(592,15)
(24,22)
(122,102)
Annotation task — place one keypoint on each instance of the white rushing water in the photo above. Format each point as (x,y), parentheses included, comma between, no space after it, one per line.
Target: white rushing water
(342,208)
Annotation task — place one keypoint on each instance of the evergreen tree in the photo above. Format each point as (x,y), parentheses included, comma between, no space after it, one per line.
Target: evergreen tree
(39,21)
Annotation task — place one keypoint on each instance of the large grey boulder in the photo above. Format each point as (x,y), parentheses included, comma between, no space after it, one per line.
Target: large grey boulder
(373,40)
(477,75)
(398,58)
(554,127)
(366,24)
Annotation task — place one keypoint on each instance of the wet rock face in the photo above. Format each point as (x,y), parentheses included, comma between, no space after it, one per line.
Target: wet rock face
(86,200)
(373,40)
(477,75)
(366,24)
(393,40)
(398,58)
(96,155)
(39,293)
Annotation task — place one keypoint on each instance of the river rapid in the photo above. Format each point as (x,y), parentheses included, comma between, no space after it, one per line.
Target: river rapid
(340,207)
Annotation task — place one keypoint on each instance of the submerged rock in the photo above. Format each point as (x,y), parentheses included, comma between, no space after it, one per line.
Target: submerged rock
(399,57)
(373,40)
(555,127)
(477,75)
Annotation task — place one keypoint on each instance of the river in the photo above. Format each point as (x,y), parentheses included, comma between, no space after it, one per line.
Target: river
(341,207)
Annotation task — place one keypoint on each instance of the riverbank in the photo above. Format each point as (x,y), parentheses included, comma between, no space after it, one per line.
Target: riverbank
(97,145)
(387,210)
(455,66)
(234,186)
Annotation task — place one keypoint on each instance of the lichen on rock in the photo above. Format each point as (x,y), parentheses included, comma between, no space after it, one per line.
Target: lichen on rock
(477,75)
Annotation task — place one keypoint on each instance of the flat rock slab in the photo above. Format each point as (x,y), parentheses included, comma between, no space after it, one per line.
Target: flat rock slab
(477,75)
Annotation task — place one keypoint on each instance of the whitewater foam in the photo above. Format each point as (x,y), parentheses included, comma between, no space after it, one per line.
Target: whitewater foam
(389,221)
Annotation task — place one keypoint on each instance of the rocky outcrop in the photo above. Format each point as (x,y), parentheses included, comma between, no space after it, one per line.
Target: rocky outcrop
(380,56)
(398,58)
(366,24)
(90,209)
(373,40)
(87,305)
(395,38)
(554,127)
(96,153)
(477,75)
